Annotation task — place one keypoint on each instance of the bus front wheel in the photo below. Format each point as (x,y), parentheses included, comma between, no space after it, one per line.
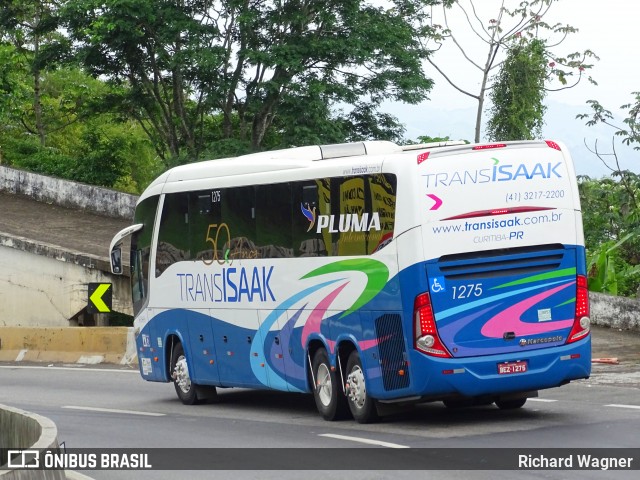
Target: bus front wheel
(330,401)
(185,388)
(362,406)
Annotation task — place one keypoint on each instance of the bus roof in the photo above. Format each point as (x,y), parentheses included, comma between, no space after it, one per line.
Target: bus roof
(263,162)
(226,171)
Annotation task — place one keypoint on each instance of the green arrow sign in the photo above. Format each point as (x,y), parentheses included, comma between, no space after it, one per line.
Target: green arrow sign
(99,298)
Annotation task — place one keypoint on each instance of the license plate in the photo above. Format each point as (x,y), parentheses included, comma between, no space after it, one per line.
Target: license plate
(512,367)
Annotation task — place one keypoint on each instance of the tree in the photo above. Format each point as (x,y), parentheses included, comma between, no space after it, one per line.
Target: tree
(611,207)
(517,111)
(611,219)
(32,27)
(495,35)
(630,134)
(83,143)
(248,61)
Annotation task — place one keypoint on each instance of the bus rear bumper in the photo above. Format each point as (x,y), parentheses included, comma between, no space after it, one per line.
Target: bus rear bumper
(472,377)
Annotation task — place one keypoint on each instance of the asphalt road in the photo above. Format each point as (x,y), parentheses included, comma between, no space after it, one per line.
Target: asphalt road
(114,408)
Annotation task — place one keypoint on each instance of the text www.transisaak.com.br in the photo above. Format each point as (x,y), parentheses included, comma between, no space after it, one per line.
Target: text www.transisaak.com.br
(496,224)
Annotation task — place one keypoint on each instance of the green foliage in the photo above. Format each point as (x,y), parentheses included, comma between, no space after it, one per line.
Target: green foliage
(366,123)
(82,142)
(273,71)
(611,220)
(14,89)
(609,272)
(428,139)
(611,208)
(630,132)
(27,153)
(172,82)
(517,111)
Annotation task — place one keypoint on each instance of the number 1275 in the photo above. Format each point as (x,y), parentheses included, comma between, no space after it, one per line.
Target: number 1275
(467,291)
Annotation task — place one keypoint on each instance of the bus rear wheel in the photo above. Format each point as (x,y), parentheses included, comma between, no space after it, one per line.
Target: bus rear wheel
(185,388)
(330,401)
(362,406)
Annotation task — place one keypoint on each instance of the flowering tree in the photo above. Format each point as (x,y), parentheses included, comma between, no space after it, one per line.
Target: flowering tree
(496,34)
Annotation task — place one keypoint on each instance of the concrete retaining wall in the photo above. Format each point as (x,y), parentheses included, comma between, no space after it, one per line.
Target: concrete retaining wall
(615,312)
(42,285)
(21,430)
(67,193)
(88,345)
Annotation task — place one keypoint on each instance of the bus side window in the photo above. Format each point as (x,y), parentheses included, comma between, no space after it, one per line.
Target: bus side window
(205,219)
(383,202)
(173,237)
(239,214)
(307,242)
(274,221)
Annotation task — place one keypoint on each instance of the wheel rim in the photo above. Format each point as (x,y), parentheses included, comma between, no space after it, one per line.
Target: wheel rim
(357,391)
(181,374)
(324,386)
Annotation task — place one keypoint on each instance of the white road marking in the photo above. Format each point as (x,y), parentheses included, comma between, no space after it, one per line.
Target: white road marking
(363,440)
(115,410)
(79,368)
(616,405)
(547,400)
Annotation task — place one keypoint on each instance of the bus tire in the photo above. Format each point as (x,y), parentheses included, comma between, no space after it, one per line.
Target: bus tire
(330,401)
(511,404)
(362,406)
(185,388)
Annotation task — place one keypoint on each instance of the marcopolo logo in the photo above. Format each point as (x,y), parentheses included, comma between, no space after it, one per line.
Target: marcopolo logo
(496,173)
(346,222)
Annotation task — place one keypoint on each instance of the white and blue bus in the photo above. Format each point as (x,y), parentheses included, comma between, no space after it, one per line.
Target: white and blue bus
(365,273)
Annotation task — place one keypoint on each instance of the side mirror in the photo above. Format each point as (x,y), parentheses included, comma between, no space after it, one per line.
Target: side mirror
(116,259)
(116,247)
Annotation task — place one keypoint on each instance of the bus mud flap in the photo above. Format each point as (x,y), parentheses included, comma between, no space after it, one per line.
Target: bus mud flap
(342,382)
(313,377)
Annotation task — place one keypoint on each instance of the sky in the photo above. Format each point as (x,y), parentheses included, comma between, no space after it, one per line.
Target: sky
(609,28)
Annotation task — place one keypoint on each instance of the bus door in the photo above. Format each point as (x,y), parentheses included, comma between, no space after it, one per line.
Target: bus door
(234,346)
(203,351)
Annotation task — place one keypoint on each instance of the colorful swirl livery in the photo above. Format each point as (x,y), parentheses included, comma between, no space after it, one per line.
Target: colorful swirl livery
(365,274)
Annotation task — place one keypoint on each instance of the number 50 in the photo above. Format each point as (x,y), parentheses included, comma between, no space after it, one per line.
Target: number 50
(214,242)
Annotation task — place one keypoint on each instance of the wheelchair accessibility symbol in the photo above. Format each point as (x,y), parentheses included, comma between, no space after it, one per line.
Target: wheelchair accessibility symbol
(437,285)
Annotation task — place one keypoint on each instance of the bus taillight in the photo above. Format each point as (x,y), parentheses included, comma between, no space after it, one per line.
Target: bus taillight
(490,145)
(552,144)
(581,323)
(425,330)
